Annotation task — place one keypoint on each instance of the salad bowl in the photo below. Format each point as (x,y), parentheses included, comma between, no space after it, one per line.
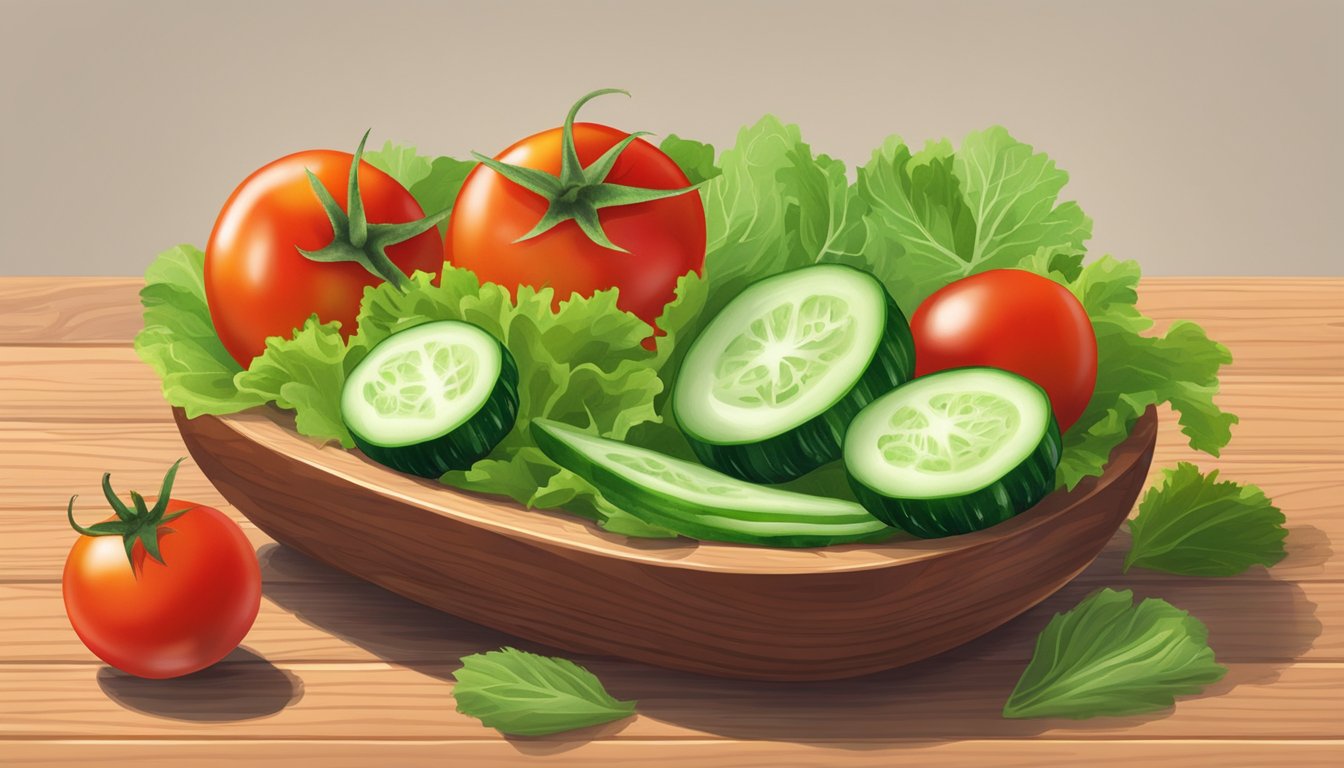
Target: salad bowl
(717,609)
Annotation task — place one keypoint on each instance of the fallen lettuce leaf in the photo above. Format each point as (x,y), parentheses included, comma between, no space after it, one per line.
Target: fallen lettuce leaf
(1109,657)
(179,342)
(524,694)
(1195,525)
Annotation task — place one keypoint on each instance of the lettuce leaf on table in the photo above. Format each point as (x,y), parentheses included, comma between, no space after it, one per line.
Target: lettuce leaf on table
(1110,657)
(1193,524)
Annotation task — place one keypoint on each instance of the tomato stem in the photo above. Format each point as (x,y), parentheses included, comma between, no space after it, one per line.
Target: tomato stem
(354,239)
(139,524)
(578,193)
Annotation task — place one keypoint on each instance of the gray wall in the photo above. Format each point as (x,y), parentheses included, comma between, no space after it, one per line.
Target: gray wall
(1202,137)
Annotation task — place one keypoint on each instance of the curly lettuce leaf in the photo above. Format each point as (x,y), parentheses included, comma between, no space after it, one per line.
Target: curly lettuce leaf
(304,374)
(695,159)
(937,215)
(401,162)
(1135,371)
(1195,525)
(1109,657)
(581,363)
(179,342)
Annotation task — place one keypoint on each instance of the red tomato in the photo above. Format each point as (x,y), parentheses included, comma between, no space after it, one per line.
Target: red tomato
(1017,321)
(665,238)
(256,281)
(164,619)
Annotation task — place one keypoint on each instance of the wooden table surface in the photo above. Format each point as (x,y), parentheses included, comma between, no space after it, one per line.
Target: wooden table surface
(342,673)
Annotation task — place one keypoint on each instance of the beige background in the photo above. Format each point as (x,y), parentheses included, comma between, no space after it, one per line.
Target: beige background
(1202,137)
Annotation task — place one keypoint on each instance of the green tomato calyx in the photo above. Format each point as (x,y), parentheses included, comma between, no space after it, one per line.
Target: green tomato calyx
(578,193)
(354,239)
(140,523)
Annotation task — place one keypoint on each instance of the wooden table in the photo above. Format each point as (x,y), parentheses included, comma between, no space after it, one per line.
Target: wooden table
(342,673)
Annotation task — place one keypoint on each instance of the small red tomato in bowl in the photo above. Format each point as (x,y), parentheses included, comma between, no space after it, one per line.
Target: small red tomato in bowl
(288,245)
(161,591)
(581,208)
(1015,320)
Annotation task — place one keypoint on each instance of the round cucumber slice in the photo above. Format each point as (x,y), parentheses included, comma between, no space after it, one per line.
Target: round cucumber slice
(699,502)
(954,451)
(766,391)
(432,398)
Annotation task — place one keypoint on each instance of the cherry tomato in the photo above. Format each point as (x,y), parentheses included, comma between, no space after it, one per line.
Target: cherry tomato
(1017,321)
(663,238)
(257,282)
(168,616)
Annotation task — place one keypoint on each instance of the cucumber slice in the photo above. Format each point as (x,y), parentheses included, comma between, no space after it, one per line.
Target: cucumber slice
(954,452)
(695,501)
(431,398)
(768,388)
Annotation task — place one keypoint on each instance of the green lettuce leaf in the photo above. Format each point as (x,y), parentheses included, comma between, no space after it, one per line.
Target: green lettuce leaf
(400,162)
(937,216)
(745,210)
(438,190)
(525,694)
(433,183)
(178,339)
(581,363)
(1194,525)
(1109,657)
(1135,371)
(303,374)
(695,159)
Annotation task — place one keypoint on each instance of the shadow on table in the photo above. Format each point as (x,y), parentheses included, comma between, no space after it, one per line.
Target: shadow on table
(243,686)
(957,695)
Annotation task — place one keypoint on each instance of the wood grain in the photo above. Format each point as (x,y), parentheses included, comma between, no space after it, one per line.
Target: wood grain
(51,311)
(348,621)
(260,700)
(674,753)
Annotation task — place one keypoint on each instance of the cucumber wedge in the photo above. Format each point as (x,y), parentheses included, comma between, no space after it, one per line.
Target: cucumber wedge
(768,388)
(954,451)
(434,397)
(695,501)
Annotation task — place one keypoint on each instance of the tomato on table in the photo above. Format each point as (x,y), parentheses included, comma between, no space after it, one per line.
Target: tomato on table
(1015,320)
(287,245)
(581,208)
(161,591)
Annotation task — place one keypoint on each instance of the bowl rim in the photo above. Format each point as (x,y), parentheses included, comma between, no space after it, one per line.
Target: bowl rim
(272,429)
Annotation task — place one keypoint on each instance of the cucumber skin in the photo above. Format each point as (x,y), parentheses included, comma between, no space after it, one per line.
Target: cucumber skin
(819,440)
(471,441)
(1014,493)
(674,513)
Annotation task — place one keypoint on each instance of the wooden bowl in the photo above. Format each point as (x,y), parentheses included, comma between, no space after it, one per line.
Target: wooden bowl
(718,609)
